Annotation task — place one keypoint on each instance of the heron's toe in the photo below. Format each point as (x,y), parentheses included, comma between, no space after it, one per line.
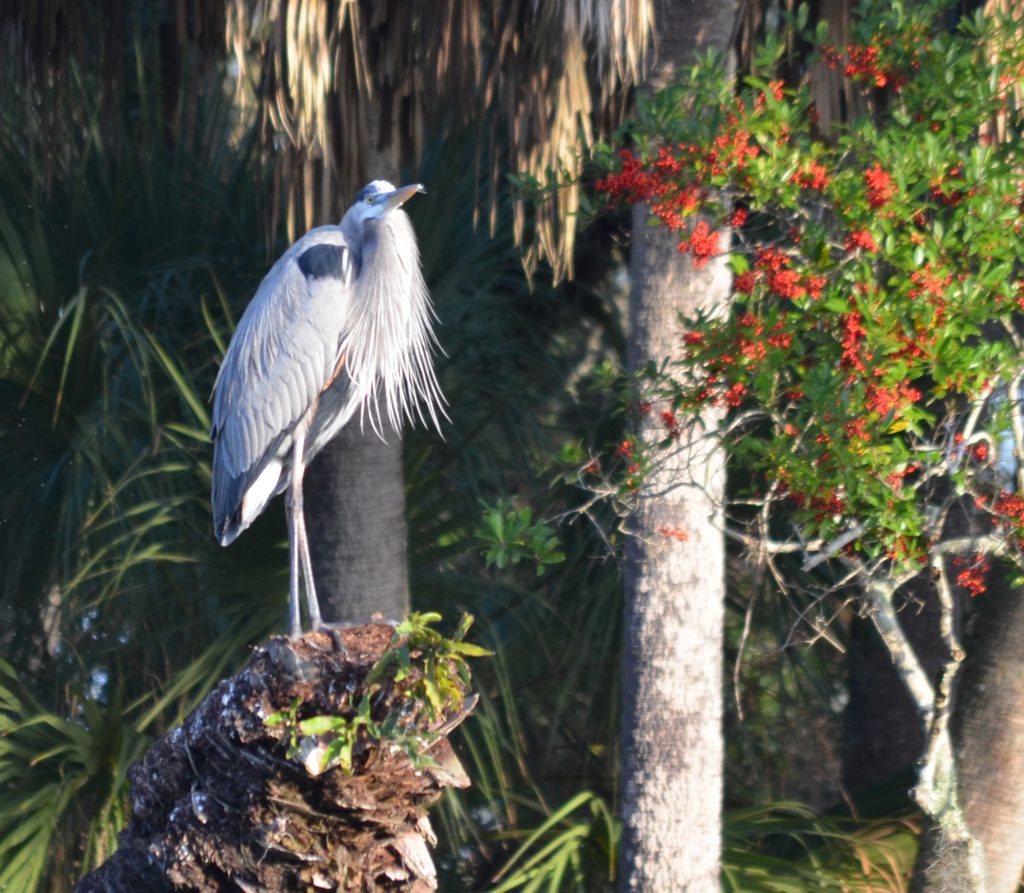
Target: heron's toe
(334,634)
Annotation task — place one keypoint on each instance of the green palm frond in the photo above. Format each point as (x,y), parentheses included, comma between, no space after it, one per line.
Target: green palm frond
(61,780)
(787,848)
(575,849)
(777,848)
(111,323)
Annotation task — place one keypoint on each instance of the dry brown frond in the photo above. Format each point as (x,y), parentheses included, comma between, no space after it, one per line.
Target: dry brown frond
(385,77)
(834,95)
(340,86)
(1013,10)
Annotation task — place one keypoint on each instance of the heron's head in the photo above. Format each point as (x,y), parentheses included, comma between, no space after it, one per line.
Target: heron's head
(379,198)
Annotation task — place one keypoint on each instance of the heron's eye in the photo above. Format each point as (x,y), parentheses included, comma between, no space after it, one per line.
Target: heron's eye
(371,198)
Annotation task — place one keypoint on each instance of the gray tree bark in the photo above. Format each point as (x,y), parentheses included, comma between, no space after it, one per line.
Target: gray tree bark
(672,711)
(989,735)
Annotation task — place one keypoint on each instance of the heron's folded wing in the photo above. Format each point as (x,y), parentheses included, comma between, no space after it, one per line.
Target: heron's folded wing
(282,355)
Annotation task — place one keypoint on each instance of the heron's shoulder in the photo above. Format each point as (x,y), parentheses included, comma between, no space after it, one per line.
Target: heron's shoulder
(330,236)
(322,253)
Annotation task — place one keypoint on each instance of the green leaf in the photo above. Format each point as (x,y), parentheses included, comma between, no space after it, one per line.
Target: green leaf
(321,725)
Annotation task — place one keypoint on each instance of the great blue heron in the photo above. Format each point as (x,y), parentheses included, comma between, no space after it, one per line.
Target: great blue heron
(341,324)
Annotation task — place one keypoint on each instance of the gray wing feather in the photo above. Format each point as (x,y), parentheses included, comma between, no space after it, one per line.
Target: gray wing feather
(281,357)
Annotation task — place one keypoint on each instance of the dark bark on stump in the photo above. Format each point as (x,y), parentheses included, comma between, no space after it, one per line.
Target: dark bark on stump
(217,805)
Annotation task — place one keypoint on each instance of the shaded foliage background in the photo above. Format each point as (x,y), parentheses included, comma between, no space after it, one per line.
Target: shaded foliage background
(131,236)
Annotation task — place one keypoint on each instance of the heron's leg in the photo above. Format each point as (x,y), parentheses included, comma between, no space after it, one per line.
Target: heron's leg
(312,603)
(298,519)
(315,620)
(297,527)
(293,568)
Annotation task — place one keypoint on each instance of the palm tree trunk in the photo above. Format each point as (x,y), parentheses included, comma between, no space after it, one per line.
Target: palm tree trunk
(355,503)
(672,709)
(989,738)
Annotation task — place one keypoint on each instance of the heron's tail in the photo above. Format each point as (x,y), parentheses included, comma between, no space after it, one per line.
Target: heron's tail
(237,502)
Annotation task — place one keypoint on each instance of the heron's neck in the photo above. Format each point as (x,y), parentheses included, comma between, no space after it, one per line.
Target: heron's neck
(352,230)
(391,336)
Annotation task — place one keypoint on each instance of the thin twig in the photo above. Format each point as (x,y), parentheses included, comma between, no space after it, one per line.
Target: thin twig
(747,623)
(1017,426)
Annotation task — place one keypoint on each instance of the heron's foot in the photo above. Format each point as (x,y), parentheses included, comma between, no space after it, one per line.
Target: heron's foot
(295,622)
(334,633)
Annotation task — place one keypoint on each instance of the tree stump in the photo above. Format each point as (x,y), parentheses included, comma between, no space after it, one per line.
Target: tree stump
(227,801)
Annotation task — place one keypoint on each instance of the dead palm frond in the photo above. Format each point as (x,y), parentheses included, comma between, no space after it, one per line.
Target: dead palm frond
(337,85)
(344,89)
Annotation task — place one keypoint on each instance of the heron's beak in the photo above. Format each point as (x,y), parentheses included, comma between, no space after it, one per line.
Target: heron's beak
(401,195)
